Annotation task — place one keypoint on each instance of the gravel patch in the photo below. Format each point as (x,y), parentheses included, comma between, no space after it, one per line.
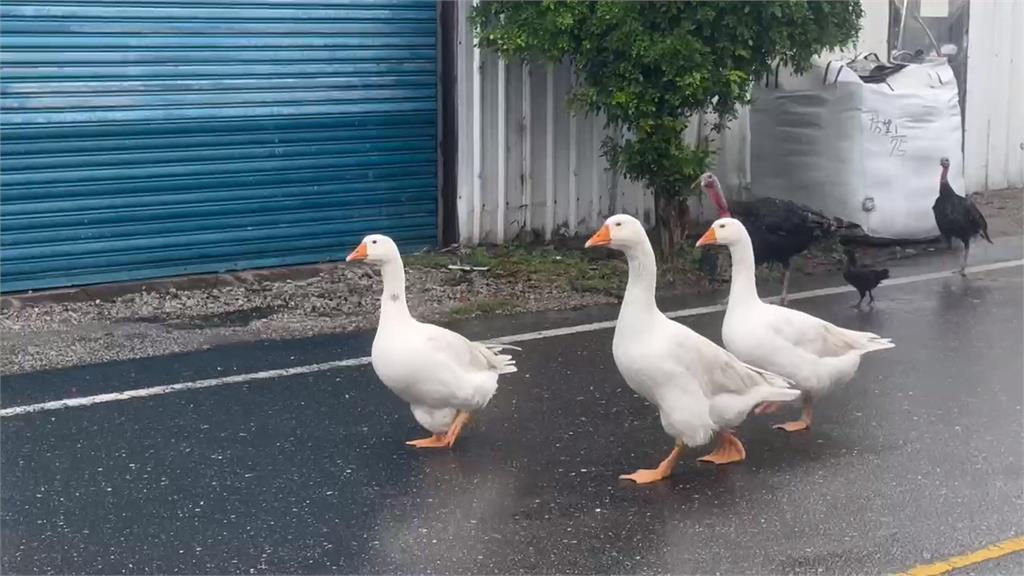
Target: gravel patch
(1004,211)
(339,298)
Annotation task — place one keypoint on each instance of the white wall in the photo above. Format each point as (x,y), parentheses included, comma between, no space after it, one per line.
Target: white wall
(874,32)
(994,131)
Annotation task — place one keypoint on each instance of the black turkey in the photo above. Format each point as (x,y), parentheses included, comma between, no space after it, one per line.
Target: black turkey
(779,229)
(957,217)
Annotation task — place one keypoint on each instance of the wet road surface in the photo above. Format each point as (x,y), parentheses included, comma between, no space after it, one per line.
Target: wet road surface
(916,460)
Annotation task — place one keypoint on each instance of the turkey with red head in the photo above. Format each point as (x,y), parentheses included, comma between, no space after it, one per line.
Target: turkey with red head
(779,229)
(957,217)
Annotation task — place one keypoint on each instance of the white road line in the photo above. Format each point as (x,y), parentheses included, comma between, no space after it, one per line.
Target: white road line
(194,385)
(526,336)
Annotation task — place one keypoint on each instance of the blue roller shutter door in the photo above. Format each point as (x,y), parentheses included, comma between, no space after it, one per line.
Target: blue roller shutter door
(161,138)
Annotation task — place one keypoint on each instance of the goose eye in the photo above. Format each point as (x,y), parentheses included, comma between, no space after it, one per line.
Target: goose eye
(618,223)
(720,226)
(373,242)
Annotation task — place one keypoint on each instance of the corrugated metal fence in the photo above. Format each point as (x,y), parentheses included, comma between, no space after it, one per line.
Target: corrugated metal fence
(994,134)
(529,167)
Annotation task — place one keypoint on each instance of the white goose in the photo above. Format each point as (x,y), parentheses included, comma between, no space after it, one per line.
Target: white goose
(442,375)
(698,387)
(813,353)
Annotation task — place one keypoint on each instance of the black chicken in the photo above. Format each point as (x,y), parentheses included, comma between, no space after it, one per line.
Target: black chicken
(957,217)
(862,278)
(779,229)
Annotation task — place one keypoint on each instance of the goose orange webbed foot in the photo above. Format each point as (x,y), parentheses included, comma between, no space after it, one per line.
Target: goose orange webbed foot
(805,417)
(767,407)
(456,428)
(646,476)
(794,426)
(435,441)
(728,449)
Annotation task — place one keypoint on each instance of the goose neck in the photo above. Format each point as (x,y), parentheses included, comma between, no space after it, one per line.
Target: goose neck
(392,298)
(743,288)
(642,282)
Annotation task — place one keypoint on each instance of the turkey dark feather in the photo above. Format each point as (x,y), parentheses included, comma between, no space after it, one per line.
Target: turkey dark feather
(957,217)
(779,229)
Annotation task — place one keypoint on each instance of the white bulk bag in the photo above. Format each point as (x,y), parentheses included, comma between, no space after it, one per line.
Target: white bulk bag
(867,153)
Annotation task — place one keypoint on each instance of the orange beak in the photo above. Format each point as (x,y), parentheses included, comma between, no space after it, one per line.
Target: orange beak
(708,238)
(358,254)
(602,237)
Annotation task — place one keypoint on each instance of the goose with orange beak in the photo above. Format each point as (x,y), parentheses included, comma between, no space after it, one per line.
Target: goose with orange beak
(814,354)
(698,388)
(443,376)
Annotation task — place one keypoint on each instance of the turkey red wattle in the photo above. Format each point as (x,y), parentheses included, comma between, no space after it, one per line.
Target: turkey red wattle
(709,183)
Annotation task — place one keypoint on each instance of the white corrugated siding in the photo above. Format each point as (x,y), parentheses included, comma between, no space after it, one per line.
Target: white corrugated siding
(530,167)
(994,132)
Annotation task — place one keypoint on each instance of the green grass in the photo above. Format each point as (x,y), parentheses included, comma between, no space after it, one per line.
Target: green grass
(602,271)
(568,267)
(435,260)
(483,307)
(573,269)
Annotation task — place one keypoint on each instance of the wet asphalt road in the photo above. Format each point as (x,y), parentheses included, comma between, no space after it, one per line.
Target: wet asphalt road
(917,459)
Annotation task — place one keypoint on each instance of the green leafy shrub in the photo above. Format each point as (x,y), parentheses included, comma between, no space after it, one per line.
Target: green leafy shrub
(651,66)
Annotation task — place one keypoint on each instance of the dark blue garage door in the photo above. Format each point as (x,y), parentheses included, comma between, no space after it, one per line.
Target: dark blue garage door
(154,138)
